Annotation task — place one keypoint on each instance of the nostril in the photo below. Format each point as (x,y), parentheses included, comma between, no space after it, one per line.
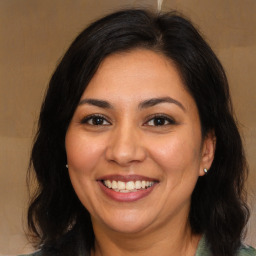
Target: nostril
(123,155)
(125,145)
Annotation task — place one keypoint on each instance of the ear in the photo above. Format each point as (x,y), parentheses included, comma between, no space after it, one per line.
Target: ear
(207,153)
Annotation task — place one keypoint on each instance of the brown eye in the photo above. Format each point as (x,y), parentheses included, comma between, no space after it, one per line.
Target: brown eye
(160,121)
(96,120)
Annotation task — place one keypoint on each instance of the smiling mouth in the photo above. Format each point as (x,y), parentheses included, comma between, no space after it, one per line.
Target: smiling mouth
(128,187)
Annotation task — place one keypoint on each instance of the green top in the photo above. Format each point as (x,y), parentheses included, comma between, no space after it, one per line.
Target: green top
(202,250)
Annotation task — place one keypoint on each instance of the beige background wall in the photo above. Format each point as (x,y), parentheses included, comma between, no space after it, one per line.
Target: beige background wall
(34,35)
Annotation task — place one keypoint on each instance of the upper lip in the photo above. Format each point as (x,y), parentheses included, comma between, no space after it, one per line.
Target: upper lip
(125,178)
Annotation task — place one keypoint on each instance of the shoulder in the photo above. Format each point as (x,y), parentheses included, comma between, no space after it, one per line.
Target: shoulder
(246,250)
(37,253)
(204,250)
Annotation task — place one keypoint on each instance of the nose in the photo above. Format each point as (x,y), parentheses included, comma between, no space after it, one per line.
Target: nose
(125,146)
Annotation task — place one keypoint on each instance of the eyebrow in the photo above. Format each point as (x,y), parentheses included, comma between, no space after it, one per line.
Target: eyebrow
(155,101)
(144,104)
(94,102)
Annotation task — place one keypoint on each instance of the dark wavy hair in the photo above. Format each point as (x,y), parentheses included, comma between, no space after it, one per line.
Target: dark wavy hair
(60,223)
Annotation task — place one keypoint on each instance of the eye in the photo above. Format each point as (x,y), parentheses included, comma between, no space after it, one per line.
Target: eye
(160,120)
(96,120)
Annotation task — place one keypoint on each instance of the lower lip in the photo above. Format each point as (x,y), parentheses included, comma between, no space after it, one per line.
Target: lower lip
(126,197)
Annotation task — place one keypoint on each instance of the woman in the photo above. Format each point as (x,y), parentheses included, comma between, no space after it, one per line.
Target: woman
(137,151)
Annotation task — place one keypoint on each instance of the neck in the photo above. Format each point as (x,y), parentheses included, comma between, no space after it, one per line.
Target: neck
(167,240)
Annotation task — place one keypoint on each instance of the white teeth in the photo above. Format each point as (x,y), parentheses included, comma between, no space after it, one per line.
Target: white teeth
(138,184)
(114,184)
(120,185)
(130,186)
(108,183)
(124,191)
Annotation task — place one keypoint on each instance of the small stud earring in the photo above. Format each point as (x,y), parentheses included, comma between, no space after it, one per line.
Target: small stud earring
(205,170)
(66,165)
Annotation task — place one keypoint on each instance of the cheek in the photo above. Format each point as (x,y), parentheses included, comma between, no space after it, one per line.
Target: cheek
(179,162)
(177,155)
(83,153)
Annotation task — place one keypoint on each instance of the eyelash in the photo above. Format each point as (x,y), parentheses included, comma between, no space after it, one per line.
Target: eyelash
(163,117)
(89,120)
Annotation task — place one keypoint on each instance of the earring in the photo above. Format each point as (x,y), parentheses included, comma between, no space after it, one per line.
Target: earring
(66,165)
(205,170)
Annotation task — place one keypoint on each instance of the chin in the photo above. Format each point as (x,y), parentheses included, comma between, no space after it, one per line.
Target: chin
(127,223)
(128,228)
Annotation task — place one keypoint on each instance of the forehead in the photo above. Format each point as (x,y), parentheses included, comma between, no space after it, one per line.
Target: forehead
(137,74)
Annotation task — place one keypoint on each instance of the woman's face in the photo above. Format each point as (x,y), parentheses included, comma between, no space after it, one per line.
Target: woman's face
(134,145)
